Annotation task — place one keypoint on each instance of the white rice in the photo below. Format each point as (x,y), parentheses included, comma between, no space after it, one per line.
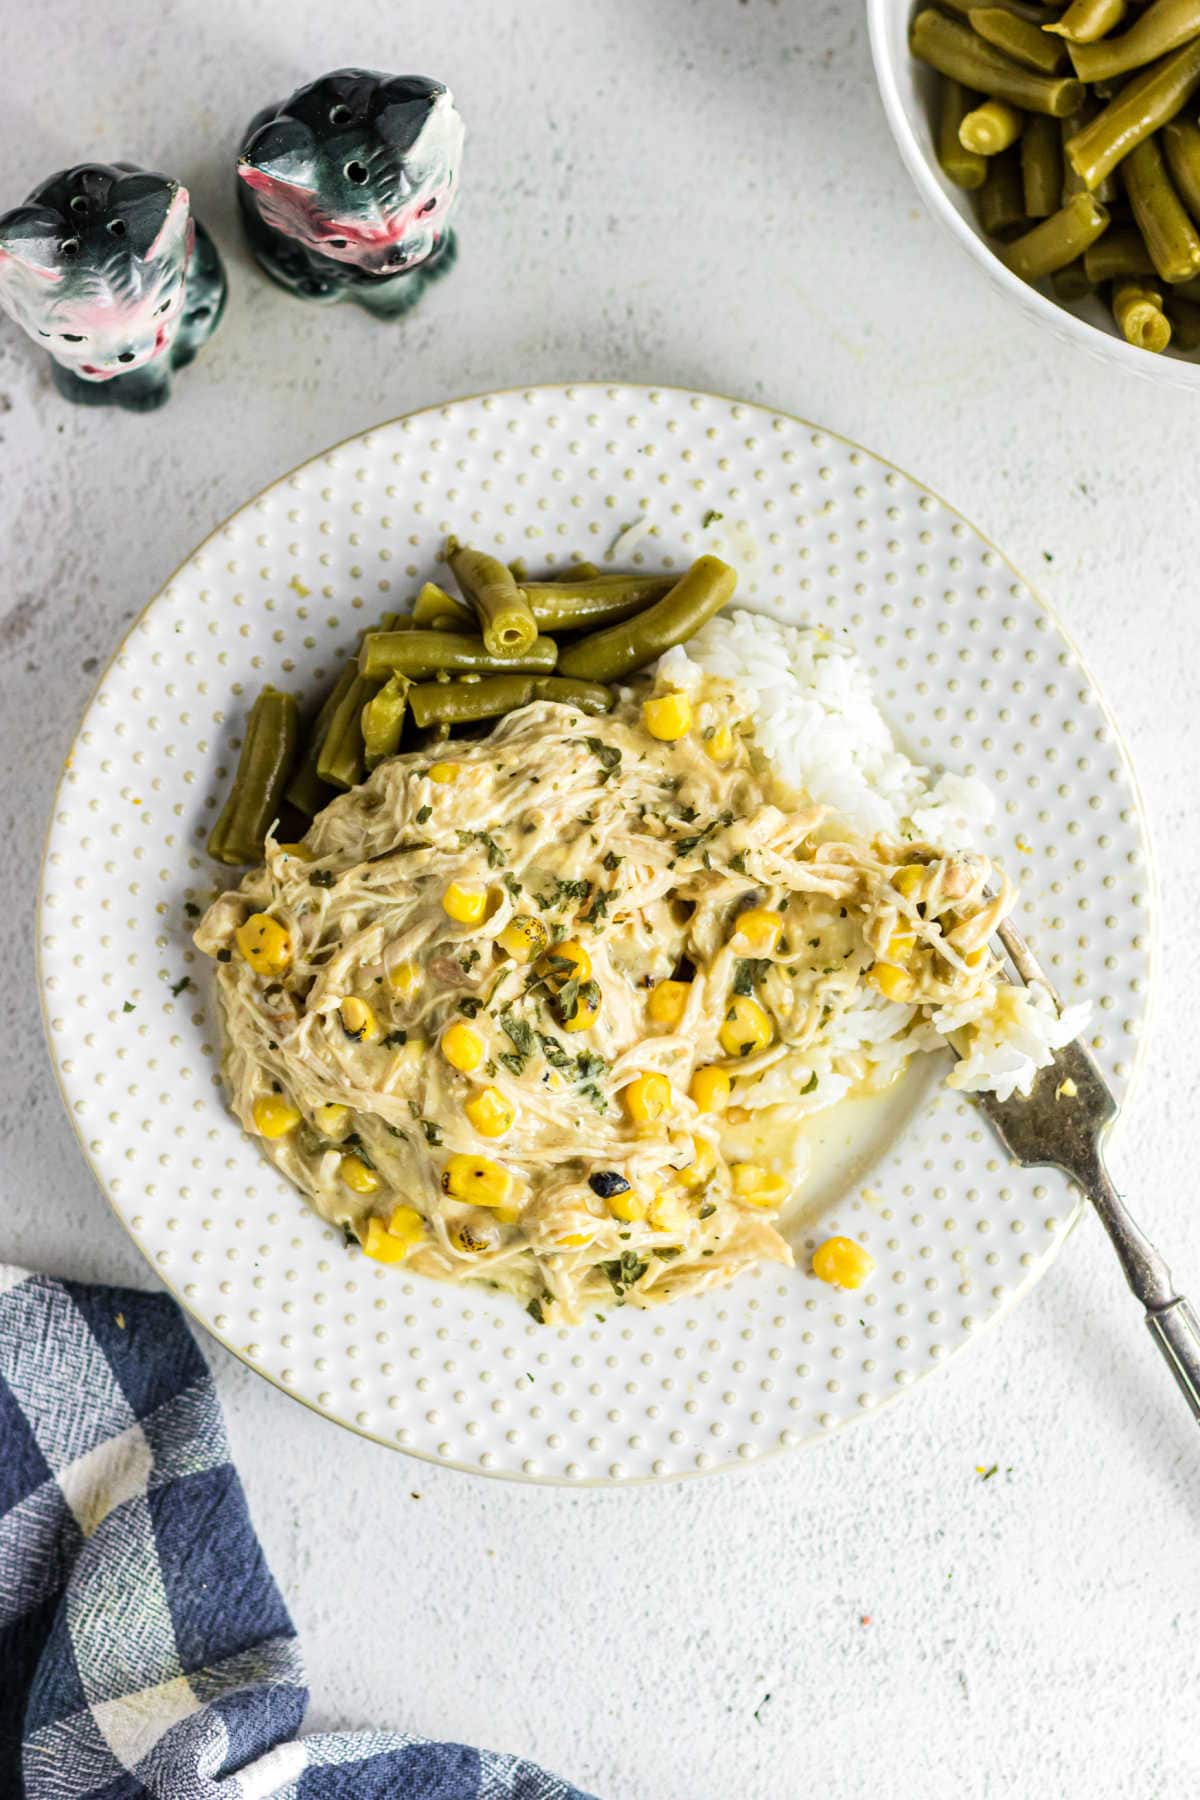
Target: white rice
(817,720)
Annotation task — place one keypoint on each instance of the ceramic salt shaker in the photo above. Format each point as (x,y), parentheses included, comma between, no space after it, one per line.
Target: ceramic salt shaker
(107,269)
(347,188)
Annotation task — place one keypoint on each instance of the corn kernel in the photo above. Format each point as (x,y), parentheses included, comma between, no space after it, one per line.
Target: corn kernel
(900,947)
(479,1180)
(974,958)
(407,1226)
(647,1098)
(358,1175)
(524,937)
(568,961)
(464,904)
(331,1118)
(695,1174)
(462,1048)
(265,944)
(710,1089)
(274,1116)
(668,1002)
(718,743)
(358,1020)
(892,983)
(745,1028)
(668,717)
(574,1240)
(476,1236)
(668,1212)
(842,1263)
(490,1112)
(378,1242)
(629,1207)
(907,880)
(444,772)
(758,930)
(587,1010)
(754,1185)
(403,977)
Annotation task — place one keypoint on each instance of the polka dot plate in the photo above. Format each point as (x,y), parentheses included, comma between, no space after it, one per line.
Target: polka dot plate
(970,668)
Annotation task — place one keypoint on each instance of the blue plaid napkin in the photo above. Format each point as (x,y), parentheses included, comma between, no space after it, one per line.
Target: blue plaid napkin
(144,1647)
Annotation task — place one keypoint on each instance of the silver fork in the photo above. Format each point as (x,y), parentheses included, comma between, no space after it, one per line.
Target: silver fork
(1062,1123)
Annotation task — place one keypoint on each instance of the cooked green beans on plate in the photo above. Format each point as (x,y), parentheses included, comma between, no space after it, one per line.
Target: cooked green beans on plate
(456,663)
(1076,129)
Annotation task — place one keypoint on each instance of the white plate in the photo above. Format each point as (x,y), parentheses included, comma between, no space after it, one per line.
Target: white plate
(970,668)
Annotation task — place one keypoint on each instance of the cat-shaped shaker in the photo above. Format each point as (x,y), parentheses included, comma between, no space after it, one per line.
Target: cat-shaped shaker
(348,186)
(105,267)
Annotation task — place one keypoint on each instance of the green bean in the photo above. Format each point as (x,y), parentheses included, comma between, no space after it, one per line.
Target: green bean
(1041,166)
(1171,238)
(383,720)
(341,760)
(254,800)
(1059,239)
(1161,29)
(423,654)
(433,603)
(1121,251)
(505,620)
(1138,111)
(1086,20)
(963,167)
(1181,146)
(594,600)
(1024,42)
(1070,284)
(1036,15)
(609,655)
(306,791)
(955,50)
(990,128)
(460,703)
(1140,318)
(1184,316)
(1002,197)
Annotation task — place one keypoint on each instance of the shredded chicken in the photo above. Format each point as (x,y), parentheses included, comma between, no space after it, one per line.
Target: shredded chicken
(804,962)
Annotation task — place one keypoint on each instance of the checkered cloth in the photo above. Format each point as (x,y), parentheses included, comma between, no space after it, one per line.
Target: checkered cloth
(144,1647)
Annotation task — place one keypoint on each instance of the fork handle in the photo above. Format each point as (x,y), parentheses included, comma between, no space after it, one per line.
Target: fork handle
(1172,1321)
(1176,1330)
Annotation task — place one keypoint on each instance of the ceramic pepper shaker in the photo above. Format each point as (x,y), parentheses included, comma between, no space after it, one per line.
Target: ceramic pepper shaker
(105,267)
(347,188)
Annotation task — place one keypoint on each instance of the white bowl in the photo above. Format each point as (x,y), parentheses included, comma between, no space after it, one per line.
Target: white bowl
(906,87)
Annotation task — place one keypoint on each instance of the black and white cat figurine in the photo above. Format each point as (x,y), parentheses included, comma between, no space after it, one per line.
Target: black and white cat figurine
(347,188)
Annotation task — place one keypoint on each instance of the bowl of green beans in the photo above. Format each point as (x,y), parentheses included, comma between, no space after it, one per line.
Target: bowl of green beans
(1060,145)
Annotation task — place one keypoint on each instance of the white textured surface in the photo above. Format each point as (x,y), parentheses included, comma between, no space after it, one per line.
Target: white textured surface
(702,194)
(969,667)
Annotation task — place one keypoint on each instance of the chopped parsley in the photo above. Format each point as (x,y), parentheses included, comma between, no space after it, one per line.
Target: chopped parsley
(398,1037)
(519,1033)
(495,855)
(707,1210)
(607,755)
(536,1310)
(748,971)
(613,861)
(738,861)
(127,1006)
(322,878)
(710,518)
(433,1131)
(810,1086)
(553,1052)
(625,1271)
(470,1004)
(513,1061)
(181,986)
(423,813)
(191,909)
